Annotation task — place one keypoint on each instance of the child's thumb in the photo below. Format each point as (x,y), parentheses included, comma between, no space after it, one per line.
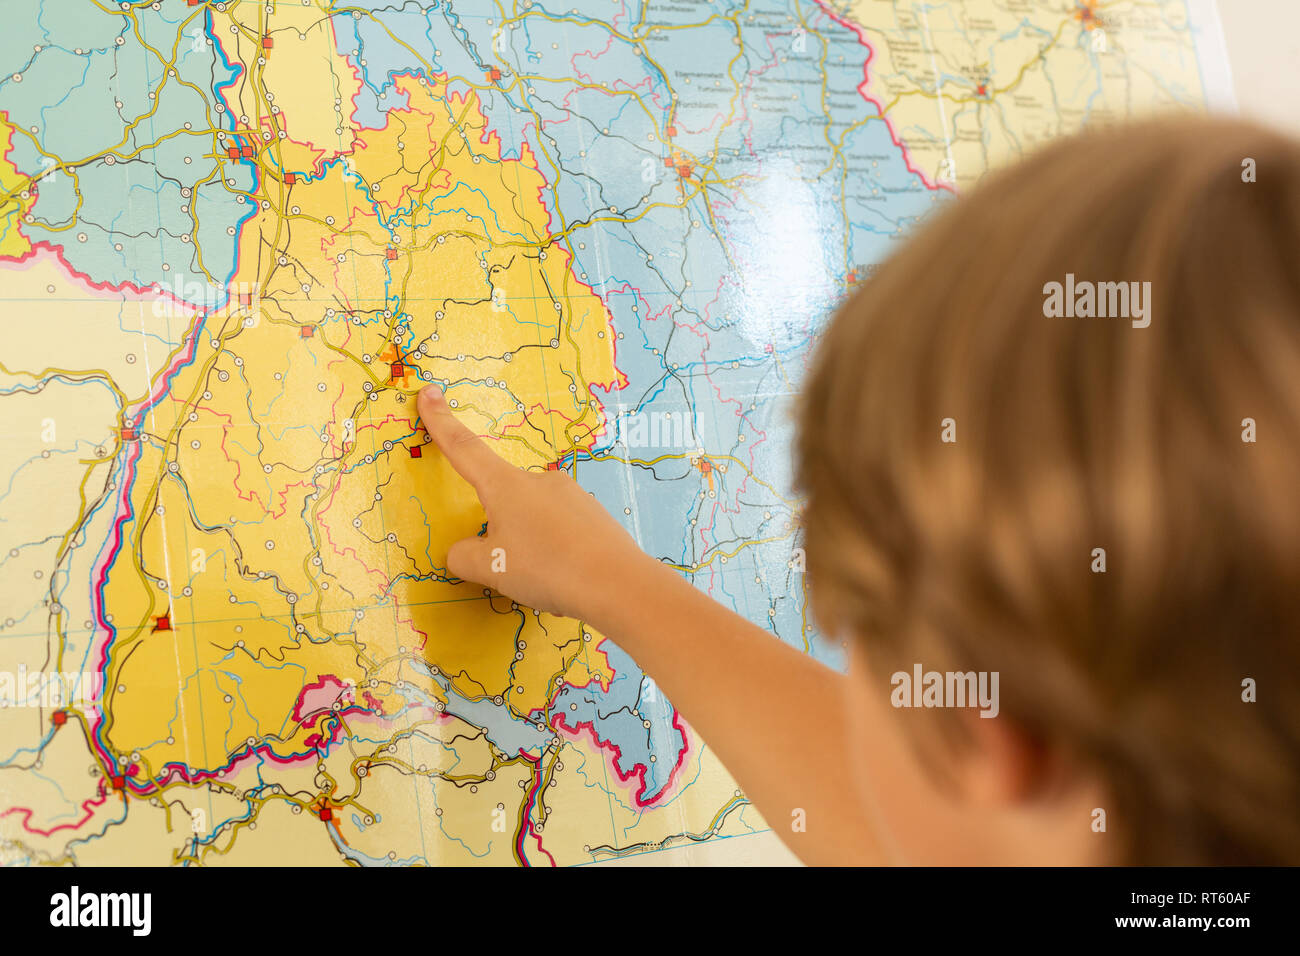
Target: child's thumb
(475,559)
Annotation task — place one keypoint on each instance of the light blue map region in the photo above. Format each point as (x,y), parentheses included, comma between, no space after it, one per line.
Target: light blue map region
(718,300)
(166,211)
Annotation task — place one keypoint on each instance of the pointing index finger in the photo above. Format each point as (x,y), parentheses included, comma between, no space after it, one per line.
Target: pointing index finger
(469,455)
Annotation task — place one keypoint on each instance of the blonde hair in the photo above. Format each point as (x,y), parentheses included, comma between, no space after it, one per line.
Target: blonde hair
(1077,434)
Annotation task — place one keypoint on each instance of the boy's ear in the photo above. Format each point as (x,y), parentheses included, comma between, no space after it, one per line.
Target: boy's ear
(1002,764)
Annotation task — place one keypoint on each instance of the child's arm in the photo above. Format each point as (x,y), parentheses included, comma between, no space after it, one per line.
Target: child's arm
(774,716)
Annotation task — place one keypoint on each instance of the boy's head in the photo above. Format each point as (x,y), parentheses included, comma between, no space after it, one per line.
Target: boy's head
(1101,511)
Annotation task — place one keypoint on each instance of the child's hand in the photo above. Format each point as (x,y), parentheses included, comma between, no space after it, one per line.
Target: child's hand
(549,544)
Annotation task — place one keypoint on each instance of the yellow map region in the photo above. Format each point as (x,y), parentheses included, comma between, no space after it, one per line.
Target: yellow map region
(267,441)
(12,242)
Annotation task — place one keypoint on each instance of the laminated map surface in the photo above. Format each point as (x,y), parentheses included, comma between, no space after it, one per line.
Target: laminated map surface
(236,238)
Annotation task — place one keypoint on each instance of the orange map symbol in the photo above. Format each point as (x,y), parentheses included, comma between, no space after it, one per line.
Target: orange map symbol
(397,367)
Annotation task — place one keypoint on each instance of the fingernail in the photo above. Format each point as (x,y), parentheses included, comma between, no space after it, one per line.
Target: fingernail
(431,393)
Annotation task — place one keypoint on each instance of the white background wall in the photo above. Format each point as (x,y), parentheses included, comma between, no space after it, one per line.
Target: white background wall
(1263,38)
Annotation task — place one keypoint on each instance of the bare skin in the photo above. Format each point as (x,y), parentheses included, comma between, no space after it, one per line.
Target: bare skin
(753,698)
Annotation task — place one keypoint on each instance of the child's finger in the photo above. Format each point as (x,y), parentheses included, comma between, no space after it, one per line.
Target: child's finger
(470,559)
(469,455)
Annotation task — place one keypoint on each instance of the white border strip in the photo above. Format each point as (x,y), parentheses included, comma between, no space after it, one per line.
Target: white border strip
(1212,56)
